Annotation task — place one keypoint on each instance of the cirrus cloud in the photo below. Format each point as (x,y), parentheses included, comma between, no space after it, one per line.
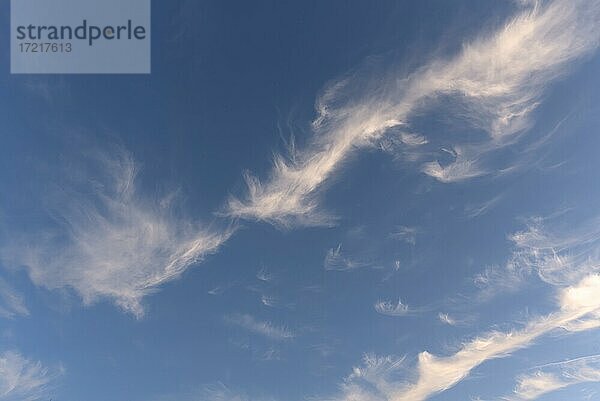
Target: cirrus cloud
(108,240)
(497,79)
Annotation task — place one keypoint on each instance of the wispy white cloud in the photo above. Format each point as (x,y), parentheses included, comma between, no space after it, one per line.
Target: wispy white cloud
(216,290)
(390,308)
(108,239)
(406,234)
(533,386)
(212,392)
(271,354)
(11,302)
(220,392)
(447,319)
(336,260)
(265,329)
(264,275)
(556,376)
(497,79)
(559,254)
(460,169)
(473,211)
(268,300)
(373,381)
(437,374)
(494,280)
(266,297)
(24,380)
(563,256)
(456,319)
(578,307)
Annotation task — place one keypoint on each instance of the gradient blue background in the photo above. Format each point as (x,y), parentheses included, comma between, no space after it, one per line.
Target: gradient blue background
(229,81)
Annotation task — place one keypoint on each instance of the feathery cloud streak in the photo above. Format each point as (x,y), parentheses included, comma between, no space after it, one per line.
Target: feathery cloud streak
(497,78)
(559,256)
(566,259)
(556,376)
(436,374)
(396,308)
(579,309)
(336,260)
(22,379)
(109,240)
(11,302)
(265,329)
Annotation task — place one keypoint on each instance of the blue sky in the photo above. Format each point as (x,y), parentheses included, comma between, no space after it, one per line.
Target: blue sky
(336,201)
